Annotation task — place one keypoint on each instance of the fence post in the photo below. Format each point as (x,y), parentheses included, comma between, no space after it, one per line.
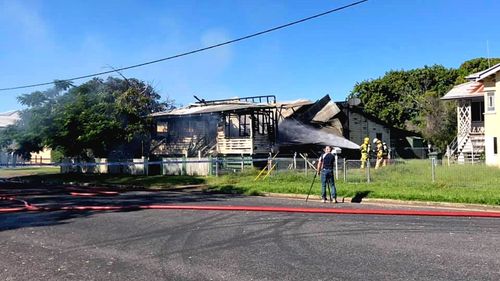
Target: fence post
(145,165)
(368,178)
(345,171)
(305,163)
(217,166)
(433,170)
(210,165)
(242,162)
(295,160)
(184,166)
(336,166)
(448,154)
(163,166)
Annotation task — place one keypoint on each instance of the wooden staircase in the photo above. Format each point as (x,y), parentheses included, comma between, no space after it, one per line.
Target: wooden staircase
(469,149)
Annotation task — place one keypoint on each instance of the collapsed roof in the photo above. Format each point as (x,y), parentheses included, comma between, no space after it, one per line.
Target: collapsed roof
(313,123)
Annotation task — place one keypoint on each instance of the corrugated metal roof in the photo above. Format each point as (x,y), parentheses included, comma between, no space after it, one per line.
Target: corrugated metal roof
(465,91)
(295,103)
(206,109)
(326,113)
(286,109)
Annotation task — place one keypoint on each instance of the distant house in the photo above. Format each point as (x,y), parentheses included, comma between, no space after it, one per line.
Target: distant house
(8,118)
(478,128)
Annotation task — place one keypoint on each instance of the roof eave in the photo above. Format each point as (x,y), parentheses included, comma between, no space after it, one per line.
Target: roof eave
(478,76)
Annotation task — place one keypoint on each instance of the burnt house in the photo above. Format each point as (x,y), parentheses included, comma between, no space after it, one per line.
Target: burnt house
(260,125)
(239,126)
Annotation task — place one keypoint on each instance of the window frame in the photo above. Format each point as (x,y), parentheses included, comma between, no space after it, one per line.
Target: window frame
(478,108)
(490,101)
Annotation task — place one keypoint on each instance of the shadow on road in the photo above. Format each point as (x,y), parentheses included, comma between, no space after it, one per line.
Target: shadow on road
(49,196)
(358,197)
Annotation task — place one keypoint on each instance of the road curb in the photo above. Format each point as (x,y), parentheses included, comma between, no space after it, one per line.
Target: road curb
(394,202)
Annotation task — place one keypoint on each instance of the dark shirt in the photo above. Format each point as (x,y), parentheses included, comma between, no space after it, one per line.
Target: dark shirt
(328,161)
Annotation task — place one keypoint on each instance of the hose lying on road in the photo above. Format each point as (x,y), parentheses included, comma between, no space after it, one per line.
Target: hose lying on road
(32,208)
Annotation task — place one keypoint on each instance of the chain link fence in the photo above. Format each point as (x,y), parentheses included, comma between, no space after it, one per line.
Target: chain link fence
(408,172)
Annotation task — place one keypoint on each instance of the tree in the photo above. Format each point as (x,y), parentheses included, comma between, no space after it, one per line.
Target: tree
(96,119)
(411,99)
(28,134)
(437,119)
(395,97)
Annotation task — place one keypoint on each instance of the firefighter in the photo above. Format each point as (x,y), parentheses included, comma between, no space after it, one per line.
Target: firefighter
(385,154)
(365,152)
(379,150)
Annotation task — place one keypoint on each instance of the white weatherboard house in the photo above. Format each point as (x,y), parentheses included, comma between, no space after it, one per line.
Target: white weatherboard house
(8,118)
(478,116)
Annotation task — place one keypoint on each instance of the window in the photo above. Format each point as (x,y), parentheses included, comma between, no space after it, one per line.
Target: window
(477,109)
(244,125)
(237,126)
(162,127)
(228,126)
(490,101)
(262,123)
(495,146)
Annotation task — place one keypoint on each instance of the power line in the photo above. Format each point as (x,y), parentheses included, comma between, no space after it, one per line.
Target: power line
(193,51)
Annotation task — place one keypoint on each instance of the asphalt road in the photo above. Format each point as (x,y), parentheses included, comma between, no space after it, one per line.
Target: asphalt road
(217,245)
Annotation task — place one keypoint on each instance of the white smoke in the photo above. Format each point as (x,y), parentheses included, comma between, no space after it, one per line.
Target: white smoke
(294,132)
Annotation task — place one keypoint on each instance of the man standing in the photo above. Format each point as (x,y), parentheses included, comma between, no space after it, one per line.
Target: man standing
(325,168)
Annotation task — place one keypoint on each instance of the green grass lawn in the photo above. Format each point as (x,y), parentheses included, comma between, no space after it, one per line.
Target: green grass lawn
(26,171)
(409,181)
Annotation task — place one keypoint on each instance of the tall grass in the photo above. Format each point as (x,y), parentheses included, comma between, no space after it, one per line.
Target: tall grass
(408,181)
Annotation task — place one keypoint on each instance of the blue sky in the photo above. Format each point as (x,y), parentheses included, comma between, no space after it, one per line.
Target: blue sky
(55,39)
